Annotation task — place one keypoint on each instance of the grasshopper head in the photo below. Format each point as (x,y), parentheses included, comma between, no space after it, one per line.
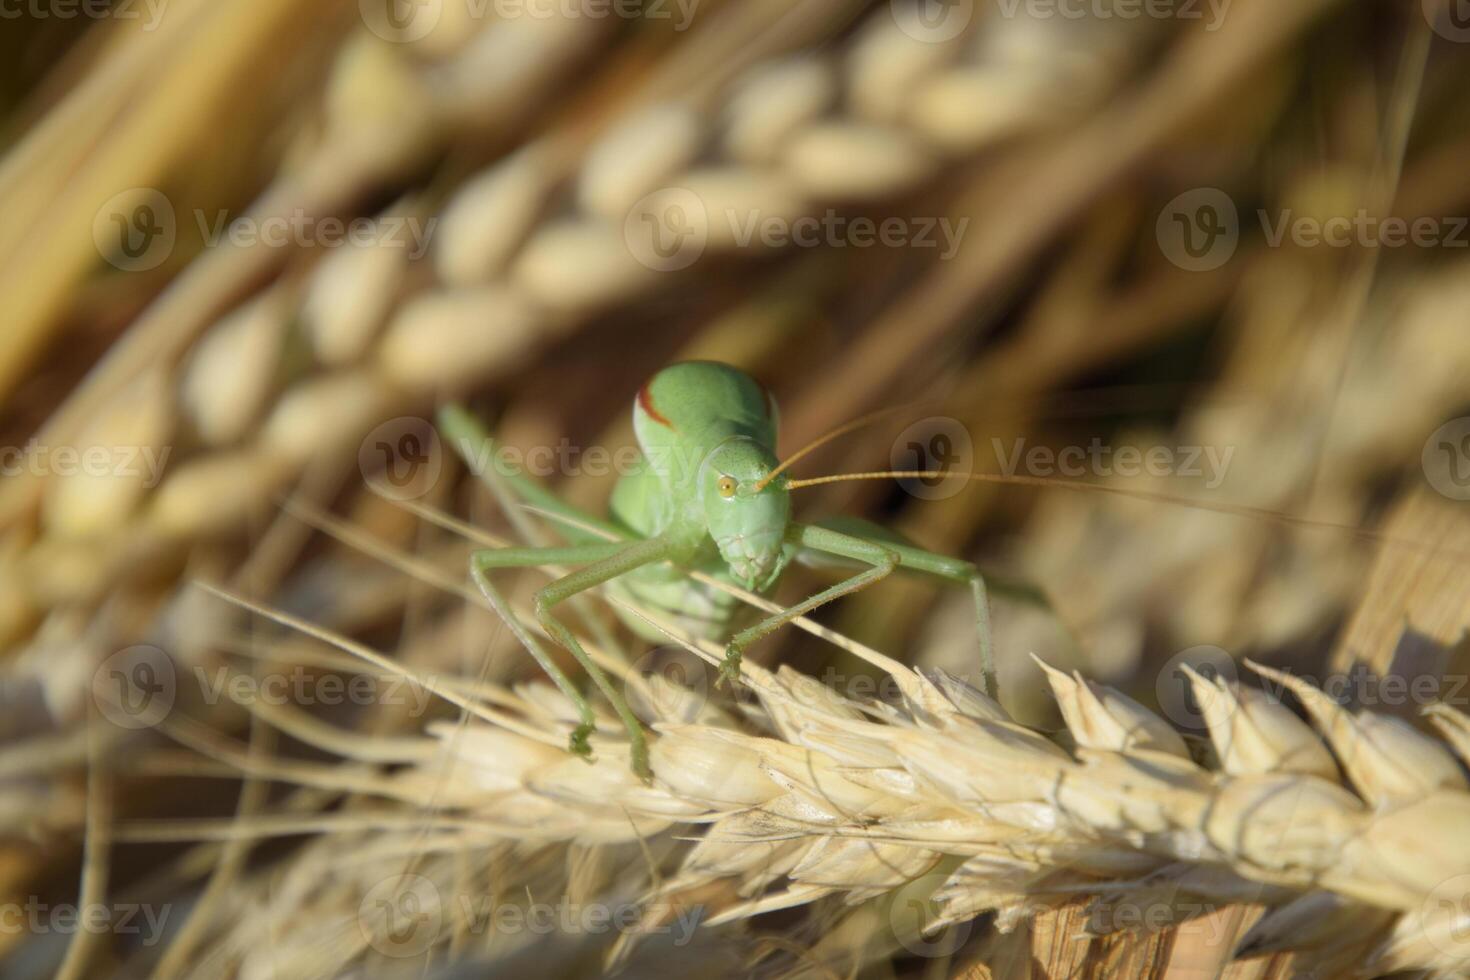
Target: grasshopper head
(748,523)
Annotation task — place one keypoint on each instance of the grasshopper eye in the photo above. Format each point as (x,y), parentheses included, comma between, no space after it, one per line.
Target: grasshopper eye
(727,486)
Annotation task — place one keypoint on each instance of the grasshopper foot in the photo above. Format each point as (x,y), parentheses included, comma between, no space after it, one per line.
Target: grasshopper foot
(578,745)
(730,669)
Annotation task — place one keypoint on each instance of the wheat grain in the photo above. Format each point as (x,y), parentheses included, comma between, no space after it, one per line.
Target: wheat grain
(106,479)
(227,381)
(349,297)
(816,796)
(638,155)
(571,266)
(773,102)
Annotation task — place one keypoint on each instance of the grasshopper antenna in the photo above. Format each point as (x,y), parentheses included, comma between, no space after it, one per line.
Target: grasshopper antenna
(842,430)
(1236,510)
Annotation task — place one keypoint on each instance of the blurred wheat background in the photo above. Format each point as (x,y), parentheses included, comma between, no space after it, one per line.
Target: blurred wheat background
(1197,272)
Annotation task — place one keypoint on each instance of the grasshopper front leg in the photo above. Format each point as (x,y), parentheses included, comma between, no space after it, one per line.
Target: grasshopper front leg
(912,558)
(882,558)
(608,560)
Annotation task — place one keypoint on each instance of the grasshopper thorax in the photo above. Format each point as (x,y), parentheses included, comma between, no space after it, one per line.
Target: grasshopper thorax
(747,521)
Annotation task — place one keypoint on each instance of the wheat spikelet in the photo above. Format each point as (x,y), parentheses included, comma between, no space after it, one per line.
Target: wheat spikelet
(859,823)
(1351,834)
(516,282)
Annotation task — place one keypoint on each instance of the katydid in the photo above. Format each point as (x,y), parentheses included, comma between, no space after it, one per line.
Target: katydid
(709,494)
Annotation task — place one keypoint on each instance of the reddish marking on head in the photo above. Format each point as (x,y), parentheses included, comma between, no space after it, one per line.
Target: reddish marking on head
(645,402)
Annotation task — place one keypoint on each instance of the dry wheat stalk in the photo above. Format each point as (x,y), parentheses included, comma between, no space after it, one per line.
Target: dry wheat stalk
(357,334)
(1272,411)
(1352,833)
(511,279)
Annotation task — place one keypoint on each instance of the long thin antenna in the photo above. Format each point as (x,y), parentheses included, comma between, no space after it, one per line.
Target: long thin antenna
(822,440)
(1237,510)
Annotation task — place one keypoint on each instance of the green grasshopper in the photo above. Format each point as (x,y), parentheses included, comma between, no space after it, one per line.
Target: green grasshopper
(708,494)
